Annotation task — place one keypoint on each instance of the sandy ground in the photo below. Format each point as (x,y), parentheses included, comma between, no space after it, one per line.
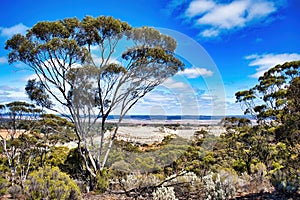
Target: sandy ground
(151,131)
(156,131)
(149,134)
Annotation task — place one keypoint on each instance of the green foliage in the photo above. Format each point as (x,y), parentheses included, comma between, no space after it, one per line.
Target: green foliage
(56,156)
(102,180)
(36,91)
(126,146)
(239,165)
(55,129)
(3,185)
(267,99)
(51,183)
(149,159)
(73,165)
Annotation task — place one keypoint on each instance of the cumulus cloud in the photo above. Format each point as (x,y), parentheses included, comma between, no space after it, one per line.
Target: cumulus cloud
(215,17)
(11,93)
(7,88)
(198,7)
(266,61)
(3,60)
(195,72)
(98,61)
(172,84)
(10,31)
(209,97)
(174,96)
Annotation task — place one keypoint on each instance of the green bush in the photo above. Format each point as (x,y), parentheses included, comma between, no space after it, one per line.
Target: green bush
(239,166)
(102,181)
(3,186)
(51,183)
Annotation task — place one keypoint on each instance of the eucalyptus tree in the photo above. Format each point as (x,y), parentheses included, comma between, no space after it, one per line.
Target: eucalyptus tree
(91,68)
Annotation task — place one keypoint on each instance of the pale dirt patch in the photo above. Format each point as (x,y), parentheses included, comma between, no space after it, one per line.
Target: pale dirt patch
(151,134)
(7,133)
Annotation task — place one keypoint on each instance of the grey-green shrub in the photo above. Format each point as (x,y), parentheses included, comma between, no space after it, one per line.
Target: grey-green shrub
(164,193)
(51,183)
(218,188)
(15,191)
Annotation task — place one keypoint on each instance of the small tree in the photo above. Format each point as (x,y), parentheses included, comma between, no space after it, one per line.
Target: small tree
(73,60)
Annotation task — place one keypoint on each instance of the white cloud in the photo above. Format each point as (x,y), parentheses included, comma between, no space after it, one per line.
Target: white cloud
(266,61)
(261,9)
(195,72)
(10,93)
(198,7)
(171,84)
(3,60)
(30,77)
(225,16)
(174,96)
(210,33)
(98,61)
(208,97)
(216,17)
(10,31)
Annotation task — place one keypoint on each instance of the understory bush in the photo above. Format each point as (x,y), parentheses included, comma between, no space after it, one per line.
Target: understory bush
(164,193)
(15,191)
(137,180)
(51,183)
(186,184)
(217,186)
(102,181)
(286,182)
(3,185)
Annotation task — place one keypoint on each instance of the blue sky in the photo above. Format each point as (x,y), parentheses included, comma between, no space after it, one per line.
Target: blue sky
(225,44)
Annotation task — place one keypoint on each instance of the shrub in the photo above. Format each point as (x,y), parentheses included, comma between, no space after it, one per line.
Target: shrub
(239,166)
(15,191)
(216,187)
(3,185)
(285,181)
(186,185)
(102,181)
(57,156)
(138,180)
(164,193)
(51,183)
